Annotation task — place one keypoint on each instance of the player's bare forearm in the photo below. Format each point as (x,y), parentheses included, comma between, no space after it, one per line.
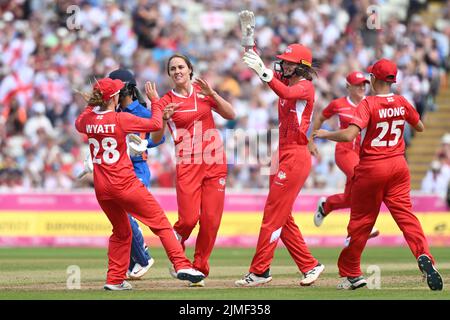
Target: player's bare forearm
(131,123)
(338,136)
(157,115)
(419,127)
(158,135)
(224,108)
(317,123)
(149,125)
(344,135)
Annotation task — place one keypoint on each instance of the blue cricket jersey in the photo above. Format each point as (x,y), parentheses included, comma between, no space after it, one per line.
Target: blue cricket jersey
(139,110)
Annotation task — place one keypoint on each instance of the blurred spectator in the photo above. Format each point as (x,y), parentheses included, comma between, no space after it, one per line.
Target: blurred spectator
(444,151)
(37,121)
(335,177)
(437,179)
(147,23)
(448,196)
(44,60)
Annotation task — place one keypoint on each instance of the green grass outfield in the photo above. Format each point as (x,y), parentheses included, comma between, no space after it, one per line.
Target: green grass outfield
(41,273)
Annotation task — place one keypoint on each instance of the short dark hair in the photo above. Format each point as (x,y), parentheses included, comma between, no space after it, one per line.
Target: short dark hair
(185,58)
(123,74)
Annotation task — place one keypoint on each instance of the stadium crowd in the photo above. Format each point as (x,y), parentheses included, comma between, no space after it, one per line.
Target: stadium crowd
(50,48)
(437,178)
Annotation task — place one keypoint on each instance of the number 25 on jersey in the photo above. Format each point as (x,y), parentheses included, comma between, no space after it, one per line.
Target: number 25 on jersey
(396,129)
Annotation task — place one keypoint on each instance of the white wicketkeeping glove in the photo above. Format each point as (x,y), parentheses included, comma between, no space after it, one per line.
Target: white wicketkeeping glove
(253,61)
(136,144)
(247,19)
(88,166)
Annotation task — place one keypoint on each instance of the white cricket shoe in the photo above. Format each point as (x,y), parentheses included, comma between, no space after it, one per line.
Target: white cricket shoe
(199,284)
(118,287)
(139,271)
(190,274)
(349,283)
(312,275)
(252,280)
(319,215)
(173,273)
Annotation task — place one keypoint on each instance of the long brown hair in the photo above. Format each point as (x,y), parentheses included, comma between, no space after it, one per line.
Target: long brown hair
(186,59)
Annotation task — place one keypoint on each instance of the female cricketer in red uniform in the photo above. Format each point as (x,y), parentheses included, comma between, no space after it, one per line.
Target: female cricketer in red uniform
(382,175)
(346,153)
(295,107)
(117,188)
(201,168)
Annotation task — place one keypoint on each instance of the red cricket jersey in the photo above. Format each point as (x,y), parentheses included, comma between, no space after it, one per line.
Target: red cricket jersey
(107,131)
(382,122)
(192,124)
(295,108)
(344,108)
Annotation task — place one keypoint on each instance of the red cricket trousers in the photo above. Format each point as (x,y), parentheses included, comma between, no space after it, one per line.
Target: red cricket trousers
(278,222)
(346,160)
(141,205)
(374,182)
(200,197)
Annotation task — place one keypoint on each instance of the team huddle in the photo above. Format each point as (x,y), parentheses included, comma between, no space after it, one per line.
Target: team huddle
(370,151)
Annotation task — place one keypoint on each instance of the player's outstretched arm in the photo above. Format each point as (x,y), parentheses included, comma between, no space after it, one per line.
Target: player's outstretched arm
(152,95)
(151,92)
(345,135)
(254,61)
(224,108)
(297,91)
(157,137)
(131,123)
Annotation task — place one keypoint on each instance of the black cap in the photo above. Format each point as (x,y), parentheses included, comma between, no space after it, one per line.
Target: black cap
(124,75)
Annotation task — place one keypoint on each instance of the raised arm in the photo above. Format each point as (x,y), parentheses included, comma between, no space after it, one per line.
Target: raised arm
(297,91)
(131,123)
(223,107)
(157,137)
(167,113)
